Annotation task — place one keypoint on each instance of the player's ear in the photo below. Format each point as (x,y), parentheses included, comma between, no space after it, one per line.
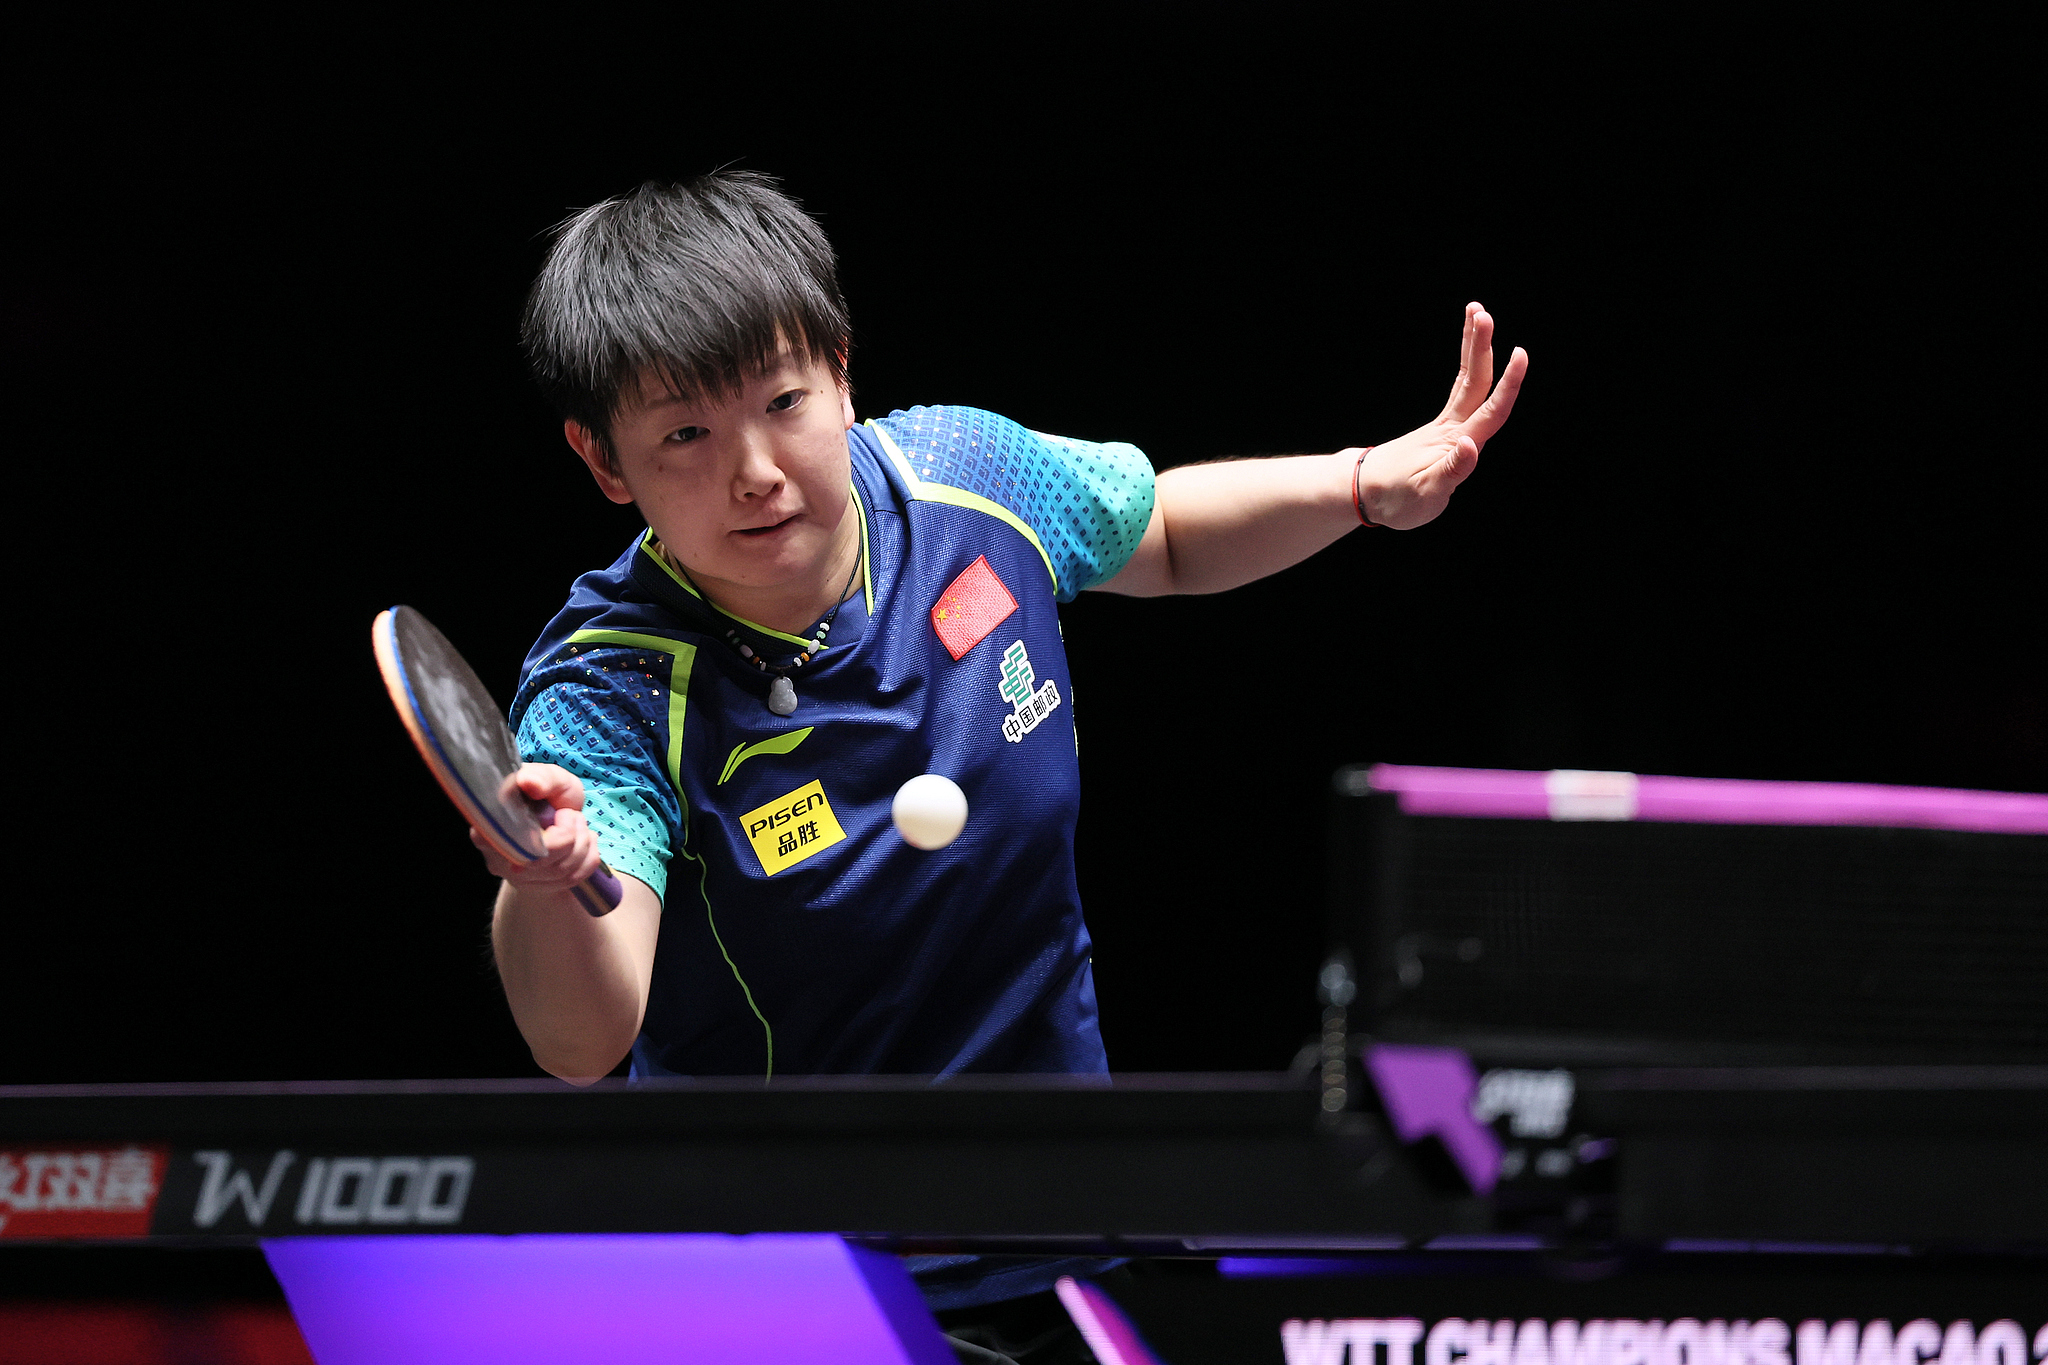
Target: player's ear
(846,417)
(598,459)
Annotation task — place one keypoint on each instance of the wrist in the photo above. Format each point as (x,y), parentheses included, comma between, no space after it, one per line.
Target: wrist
(1362,495)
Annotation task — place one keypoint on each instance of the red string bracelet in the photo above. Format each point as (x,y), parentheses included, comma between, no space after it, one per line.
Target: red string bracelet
(1358,505)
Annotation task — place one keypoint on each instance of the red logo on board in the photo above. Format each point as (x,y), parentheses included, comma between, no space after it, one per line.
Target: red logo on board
(78,1191)
(972,605)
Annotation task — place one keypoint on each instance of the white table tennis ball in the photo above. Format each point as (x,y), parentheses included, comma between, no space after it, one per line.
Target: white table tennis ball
(929,811)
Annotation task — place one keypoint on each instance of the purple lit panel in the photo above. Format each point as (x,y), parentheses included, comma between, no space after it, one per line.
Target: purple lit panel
(1428,1091)
(1727,801)
(1304,1267)
(1107,1331)
(609,1300)
(1498,793)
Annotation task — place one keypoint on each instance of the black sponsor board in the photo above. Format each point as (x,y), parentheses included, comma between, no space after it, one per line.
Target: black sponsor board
(1933,1159)
(1028,1162)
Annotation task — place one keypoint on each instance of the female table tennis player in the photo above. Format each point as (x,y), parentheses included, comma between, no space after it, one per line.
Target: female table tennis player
(820,609)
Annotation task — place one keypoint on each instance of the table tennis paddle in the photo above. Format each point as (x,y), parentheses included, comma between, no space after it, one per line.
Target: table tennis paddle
(462,736)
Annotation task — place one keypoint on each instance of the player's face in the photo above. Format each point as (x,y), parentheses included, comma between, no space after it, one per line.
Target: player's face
(749,493)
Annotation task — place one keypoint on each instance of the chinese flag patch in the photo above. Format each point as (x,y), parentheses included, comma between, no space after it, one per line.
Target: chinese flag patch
(972,605)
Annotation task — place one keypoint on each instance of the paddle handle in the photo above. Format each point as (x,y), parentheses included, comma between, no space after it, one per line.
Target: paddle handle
(598,894)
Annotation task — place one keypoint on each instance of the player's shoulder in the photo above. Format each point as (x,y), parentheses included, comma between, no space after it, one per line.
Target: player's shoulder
(951,444)
(935,423)
(612,633)
(1083,504)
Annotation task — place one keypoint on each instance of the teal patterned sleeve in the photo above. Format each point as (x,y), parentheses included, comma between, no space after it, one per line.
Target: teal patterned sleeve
(626,796)
(1089,502)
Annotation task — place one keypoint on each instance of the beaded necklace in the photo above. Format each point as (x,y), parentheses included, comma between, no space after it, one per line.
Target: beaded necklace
(782,692)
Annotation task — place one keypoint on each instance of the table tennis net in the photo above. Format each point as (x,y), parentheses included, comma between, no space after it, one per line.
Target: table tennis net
(1816,939)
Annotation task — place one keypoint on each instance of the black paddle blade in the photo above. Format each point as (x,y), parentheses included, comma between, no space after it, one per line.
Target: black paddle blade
(461,723)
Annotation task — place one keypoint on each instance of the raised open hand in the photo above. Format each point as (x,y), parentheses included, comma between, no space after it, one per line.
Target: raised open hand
(1409,480)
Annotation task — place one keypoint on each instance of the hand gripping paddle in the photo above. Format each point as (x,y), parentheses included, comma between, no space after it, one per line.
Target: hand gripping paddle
(457,729)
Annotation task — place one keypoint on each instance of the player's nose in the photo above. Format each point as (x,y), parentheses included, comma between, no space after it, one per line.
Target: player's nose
(758,472)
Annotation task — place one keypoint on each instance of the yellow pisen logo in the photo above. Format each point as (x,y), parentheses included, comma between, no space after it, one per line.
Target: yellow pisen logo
(792,827)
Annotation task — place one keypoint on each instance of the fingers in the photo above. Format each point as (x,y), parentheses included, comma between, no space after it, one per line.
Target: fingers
(1475,365)
(1434,483)
(1494,411)
(571,849)
(562,836)
(558,787)
(569,854)
(493,864)
(1458,385)
(1457,466)
(1433,486)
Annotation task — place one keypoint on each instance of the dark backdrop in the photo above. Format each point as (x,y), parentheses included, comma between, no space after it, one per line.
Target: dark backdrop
(1767,508)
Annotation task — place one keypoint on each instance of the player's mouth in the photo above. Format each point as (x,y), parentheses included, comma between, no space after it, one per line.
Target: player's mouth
(772,529)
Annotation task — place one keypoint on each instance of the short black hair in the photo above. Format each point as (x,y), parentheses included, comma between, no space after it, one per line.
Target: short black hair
(700,284)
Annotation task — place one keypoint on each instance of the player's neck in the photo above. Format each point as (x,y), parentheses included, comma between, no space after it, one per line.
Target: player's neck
(788,607)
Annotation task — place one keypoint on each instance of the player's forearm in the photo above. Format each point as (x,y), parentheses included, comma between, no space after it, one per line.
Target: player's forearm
(1219,526)
(577,985)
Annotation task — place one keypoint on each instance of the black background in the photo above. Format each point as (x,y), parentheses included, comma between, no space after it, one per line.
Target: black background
(1767,508)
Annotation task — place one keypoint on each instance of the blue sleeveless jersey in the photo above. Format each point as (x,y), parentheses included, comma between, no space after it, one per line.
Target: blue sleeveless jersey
(799,932)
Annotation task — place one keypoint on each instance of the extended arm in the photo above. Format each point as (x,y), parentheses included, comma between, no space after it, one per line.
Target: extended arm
(577,985)
(1217,526)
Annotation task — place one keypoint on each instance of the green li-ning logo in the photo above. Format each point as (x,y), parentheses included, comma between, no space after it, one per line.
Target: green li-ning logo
(1030,704)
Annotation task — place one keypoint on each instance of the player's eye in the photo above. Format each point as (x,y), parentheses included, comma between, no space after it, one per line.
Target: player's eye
(784,402)
(685,434)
